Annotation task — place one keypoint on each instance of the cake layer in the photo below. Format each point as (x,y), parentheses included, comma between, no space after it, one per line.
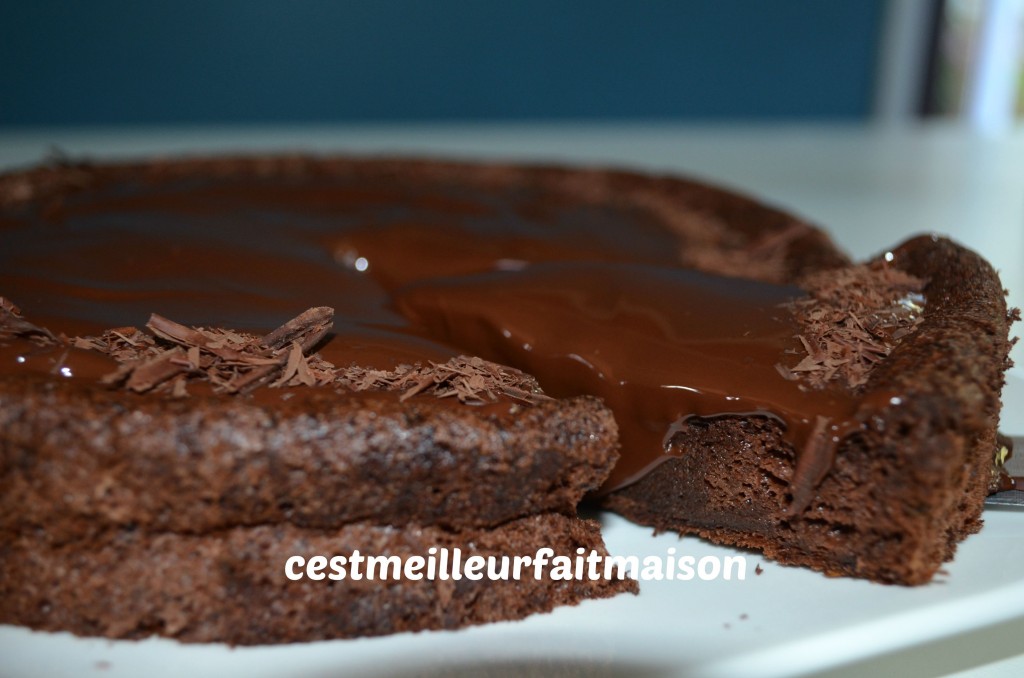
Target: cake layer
(76,459)
(232,587)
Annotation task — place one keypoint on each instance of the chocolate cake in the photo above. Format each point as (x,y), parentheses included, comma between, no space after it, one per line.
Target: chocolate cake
(480,340)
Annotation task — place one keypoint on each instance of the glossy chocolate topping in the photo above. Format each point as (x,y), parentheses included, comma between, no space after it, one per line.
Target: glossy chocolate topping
(659,345)
(589,298)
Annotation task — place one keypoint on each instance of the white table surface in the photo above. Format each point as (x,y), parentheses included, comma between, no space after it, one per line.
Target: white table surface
(869,187)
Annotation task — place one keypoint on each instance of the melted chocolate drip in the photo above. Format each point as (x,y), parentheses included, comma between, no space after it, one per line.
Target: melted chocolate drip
(588,299)
(659,345)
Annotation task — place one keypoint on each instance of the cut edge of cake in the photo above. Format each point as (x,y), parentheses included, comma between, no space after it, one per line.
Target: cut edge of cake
(901,493)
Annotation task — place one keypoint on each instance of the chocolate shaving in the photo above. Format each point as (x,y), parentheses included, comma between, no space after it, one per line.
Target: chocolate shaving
(13,325)
(124,344)
(852,319)
(304,331)
(471,380)
(291,367)
(171,355)
(207,340)
(308,329)
(233,362)
(812,466)
(147,374)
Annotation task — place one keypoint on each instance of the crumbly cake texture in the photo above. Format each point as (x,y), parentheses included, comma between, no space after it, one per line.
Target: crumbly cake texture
(230,586)
(901,494)
(79,459)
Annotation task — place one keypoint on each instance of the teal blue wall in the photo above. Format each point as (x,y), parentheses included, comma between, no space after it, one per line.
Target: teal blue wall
(194,61)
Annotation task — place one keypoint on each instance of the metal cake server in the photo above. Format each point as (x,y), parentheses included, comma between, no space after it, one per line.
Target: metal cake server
(1015,467)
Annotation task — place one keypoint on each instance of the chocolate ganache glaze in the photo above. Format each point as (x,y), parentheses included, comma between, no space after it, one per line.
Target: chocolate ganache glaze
(587,295)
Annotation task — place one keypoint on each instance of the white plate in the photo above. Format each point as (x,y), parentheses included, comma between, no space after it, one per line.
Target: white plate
(785,621)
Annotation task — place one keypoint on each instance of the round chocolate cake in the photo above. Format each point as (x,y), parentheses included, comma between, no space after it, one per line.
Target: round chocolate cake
(287,351)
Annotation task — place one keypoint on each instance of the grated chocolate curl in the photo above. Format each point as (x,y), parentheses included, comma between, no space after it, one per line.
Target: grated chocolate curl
(852,319)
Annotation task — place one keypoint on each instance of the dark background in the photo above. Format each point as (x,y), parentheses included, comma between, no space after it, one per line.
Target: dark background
(263,61)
